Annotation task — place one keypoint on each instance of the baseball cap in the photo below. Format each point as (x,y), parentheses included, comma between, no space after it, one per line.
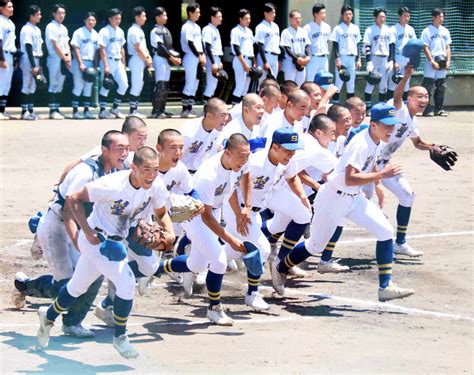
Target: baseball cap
(324,79)
(287,138)
(384,113)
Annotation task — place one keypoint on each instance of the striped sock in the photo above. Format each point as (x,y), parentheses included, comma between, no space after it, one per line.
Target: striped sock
(117,101)
(178,264)
(75,103)
(24,103)
(368,101)
(292,235)
(122,309)
(253,283)
(296,256)
(86,101)
(102,102)
(384,255)
(133,103)
(328,250)
(3,103)
(403,218)
(61,304)
(214,285)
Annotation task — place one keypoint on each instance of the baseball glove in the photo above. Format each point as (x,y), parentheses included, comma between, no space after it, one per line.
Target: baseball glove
(148,235)
(182,208)
(299,67)
(444,156)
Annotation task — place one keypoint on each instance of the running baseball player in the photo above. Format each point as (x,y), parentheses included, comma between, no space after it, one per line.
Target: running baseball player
(319,33)
(7,50)
(211,38)
(59,250)
(85,47)
(297,45)
(379,48)
(345,45)
(194,58)
(403,33)
(31,43)
(140,58)
(59,58)
(267,37)
(343,120)
(437,48)
(112,64)
(118,199)
(241,45)
(341,198)
(163,56)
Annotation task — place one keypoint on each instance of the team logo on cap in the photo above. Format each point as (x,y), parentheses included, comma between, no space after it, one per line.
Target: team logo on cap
(220,189)
(195,146)
(118,207)
(391,112)
(260,182)
(294,138)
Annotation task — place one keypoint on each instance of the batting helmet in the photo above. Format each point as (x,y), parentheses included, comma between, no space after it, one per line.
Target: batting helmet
(41,81)
(255,72)
(413,48)
(109,82)
(253,259)
(89,74)
(396,78)
(441,60)
(373,78)
(344,74)
(112,250)
(222,75)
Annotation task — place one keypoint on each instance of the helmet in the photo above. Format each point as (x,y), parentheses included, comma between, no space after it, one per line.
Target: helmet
(41,81)
(373,78)
(396,78)
(89,74)
(109,82)
(222,75)
(255,72)
(344,74)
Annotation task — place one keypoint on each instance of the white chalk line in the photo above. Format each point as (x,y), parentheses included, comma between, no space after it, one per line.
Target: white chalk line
(413,236)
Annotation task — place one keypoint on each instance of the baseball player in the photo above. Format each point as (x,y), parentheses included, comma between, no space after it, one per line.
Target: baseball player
(211,38)
(118,199)
(31,43)
(85,46)
(345,45)
(403,33)
(319,33)
(140,58)
(379,48)
(112,63)
(7,50)
(357,109)
(191,44)
(297,45)
(267,37)
(341,198)
(59,248)
(164,55)
(59,54)
(437,41)
(343,120)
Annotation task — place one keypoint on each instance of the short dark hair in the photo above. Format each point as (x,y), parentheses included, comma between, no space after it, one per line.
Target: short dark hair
(269,81)
(319,122)
(377,11)
(214,10)
(269,7)
(114,12)
(213,105)
(335,111)
(132,124)
(403,9)
(89,14)
(144,153)
(308,87)
(235,140)
(293,13)
(166,133)
(32,10)
(137,11)
(437,12)
(318,8)
(243,12)
(191,8)
(107,138)
(159,11)
(58,6)
(345,8)
(287,87)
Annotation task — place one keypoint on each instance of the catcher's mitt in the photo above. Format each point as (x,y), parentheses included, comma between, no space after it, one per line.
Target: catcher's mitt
(182,207)
(444,156)
(151,236)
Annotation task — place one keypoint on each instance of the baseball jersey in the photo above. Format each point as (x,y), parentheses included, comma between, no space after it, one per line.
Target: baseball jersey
(7,34)
(437,39)
(242,37)
(319,36)
(135,35)
(212,36)
(237,125)
(117,204)
(31,34)
(268,34)
(296,40)
(406,128)
(199,144)
(214,183)
(191,32)
(347,38)
(87,42)
(58,32)
(337,147)
(379,38)
(178,179)
(112,40)
(402,35)
(361,153)
(278,120)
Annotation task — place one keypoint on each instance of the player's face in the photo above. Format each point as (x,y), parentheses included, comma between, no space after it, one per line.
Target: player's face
(418,100)
(380,19)
(238,157)
(344,122)
(295,21)
(217,19)
(146,172)
(245,20)
(358,115)
(382,131)
(270,103)
(298,109)
(60,15)
(321,16)
(347,17)
(90,22)
(117,151)
(283,155)
(36,18)
(141,19)
(438,20)
(162,19)
(172,150)
(255,113)
(7,10)
(137,139)
(219,119)
(404,18)
(315,98)
(115,20)
(270,16)
(195,15)
(325,137)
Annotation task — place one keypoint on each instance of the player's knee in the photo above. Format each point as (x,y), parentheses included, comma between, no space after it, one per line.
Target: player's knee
(125,285)
(384,232)
(76,289)
(302,216)
(407,198)
(219,264)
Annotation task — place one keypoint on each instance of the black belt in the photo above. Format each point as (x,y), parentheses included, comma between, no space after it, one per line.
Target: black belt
(381,55)
(344,193)
(348,55)
(113,58)
(273,53)
(324,55)
(253,209)
(245,57)
(113,238)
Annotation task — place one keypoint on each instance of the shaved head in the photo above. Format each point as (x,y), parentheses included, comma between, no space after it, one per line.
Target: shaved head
(354,102)
(415,90)
(250,100)
(143,154)
(298,96)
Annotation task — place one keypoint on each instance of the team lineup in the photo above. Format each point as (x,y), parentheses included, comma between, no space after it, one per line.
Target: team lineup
(271,181)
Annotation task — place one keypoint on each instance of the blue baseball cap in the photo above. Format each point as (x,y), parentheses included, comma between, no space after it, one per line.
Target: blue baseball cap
(384,113)
(324,79)
(287,138)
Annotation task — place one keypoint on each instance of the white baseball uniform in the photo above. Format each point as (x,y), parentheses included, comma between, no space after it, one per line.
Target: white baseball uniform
(237,125)
(319,36)
(402,35)
(347,37)
(136,35)
(437,39)
(242,37)
(30,34)
(278,120)
(59,33)
(212,36)
(191,32)
(296,40)
(7,36)
(88,44)
(268,34)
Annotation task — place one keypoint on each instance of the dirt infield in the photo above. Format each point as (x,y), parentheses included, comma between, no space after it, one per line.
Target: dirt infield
(326,324)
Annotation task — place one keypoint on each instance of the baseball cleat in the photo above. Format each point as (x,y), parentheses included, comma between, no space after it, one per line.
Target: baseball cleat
(3,117)
(28,116)
(137,114)
(105,115)
(45,328)
(123,346)
(56,116)
(188,281)
(116,112)
(441,113)
(78,116)
(88,115)
(217,315)
(405,249)
(392,291)
(176,276)
(78,331)
(188,114)
(298,272)
(143,283)
(278,279)
(106,315)
(36,250)
(331,266)
(256,302)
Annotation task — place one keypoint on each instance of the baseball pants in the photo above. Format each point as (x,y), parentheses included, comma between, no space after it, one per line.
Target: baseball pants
(399,187)
(29,84)
(81,87)
(211,81)
(291,73)
(56,79)
(118,71)
(350,63)
(242,80)
(380,65)
(402,63)
(6,75)
(136,66)
(147,263)
(190,65)
(273,61)
(162,68)
(316,64)
(429,72)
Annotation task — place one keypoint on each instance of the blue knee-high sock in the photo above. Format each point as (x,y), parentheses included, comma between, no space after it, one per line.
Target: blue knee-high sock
(253,282)
(296,256)
(106,302)
(384,254)
(328,250)
(214,285)
(117,101)
(292,235)
(266,214)
(177,264)
(183,242)
(272,237)
(61,304)
(122,309)
(134,266)
(403,218)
